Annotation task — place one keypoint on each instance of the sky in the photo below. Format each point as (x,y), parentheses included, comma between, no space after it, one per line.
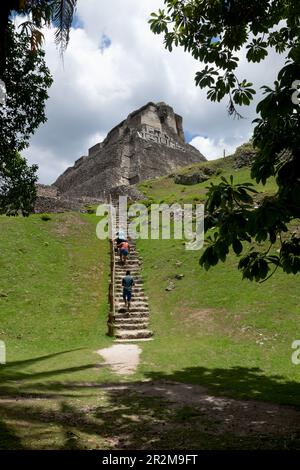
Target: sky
(113,65)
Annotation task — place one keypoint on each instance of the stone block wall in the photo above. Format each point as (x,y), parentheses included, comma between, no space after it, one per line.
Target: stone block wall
(149,143)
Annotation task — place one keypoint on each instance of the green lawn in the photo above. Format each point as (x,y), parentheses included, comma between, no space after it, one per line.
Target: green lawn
(53,311)
(213,329)
(54,279)
(217,330)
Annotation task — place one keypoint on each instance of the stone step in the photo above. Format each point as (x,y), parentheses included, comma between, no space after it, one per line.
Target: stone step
(137,303)
(128,265)
(131,256)
(129,319)
(130,262)
(137,288)
(131,326)
(136,295)
(138,284)
(125,267)
(131,266)
(134,305)
(122,272)
(133,308)
(133,311)
(119,276)
(130,334)
(131,315)
(135,299)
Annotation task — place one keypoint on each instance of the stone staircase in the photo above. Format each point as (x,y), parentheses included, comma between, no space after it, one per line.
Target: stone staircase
(133,325)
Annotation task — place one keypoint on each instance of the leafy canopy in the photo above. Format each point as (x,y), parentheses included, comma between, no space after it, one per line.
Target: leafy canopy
(219,34)
(27,80)
(38,13)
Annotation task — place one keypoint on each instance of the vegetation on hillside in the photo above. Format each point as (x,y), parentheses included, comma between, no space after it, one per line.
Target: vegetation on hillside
(165,189)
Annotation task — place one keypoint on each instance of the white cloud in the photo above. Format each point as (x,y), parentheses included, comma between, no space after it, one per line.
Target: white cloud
(212,148)
(95,89)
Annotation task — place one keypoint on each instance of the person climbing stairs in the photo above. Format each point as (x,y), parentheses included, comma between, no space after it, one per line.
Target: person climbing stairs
(135,323)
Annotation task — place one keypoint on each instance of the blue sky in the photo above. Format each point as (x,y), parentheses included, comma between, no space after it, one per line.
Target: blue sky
(77,22)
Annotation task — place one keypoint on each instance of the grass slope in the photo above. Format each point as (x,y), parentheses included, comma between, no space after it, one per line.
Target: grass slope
(53,310)
(53,281)
(214,328)
(166,190)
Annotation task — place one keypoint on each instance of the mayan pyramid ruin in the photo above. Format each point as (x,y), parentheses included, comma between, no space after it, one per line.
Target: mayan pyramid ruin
(149,143)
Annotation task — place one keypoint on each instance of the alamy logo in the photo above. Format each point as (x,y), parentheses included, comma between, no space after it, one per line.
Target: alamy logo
(296,94)
(159,221)
(2,353)
(296,353)
(2,92)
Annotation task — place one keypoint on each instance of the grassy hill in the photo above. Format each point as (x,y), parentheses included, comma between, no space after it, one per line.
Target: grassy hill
(54,277)
(213,330)
(166,190)
(53,312)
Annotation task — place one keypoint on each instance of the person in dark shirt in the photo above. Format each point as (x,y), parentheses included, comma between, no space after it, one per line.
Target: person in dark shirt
(127,283)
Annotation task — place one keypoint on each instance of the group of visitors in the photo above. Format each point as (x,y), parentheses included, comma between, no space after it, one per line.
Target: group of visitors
(123,248)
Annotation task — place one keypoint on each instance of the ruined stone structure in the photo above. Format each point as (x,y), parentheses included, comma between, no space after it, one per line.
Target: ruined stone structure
(149,143)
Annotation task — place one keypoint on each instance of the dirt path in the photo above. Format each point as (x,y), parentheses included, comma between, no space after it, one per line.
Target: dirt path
(122,358)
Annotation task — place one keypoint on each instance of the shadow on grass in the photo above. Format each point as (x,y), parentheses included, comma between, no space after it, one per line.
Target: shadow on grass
(168,411)
(239,382)
(16,381)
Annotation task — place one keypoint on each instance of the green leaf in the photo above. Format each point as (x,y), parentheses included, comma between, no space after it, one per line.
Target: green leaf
(237,246)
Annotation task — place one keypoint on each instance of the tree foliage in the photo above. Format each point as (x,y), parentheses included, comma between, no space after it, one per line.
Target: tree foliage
(27,80)
(17,185)
(220,33)
(38,13)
